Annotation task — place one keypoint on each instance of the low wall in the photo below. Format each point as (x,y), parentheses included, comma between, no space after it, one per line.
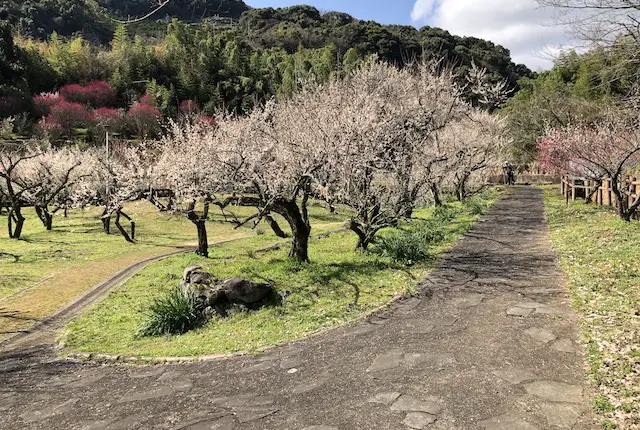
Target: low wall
(526,178)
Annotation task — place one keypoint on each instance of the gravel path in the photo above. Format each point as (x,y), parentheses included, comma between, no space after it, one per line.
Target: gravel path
(489,344)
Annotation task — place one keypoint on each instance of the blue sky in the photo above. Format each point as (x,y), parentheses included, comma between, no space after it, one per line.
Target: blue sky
(382,11)
(521,26)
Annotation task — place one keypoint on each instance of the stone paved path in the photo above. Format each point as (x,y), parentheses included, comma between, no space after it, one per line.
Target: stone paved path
(489,344)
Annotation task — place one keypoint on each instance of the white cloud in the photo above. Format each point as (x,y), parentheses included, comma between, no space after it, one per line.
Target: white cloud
(519,25)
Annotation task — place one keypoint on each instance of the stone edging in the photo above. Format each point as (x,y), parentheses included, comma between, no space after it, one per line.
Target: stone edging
(133,359)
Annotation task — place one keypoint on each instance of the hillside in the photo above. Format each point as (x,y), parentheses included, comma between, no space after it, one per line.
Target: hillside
(288,28)
(93,20)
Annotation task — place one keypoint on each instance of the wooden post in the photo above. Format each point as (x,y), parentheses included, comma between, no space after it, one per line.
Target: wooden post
(573,190)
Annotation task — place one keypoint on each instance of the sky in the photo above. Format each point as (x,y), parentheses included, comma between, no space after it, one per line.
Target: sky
(519,25)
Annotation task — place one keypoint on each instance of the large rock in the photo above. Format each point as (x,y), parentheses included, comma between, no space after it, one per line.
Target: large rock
(241,290)
(225,296)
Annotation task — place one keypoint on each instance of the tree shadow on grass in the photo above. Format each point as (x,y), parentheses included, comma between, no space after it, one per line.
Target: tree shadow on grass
(330,275)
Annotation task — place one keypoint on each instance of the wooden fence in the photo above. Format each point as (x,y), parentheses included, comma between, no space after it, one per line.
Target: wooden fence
(574,188)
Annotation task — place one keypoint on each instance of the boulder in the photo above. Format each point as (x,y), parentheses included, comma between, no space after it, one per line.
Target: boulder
(241,290)
(223,296)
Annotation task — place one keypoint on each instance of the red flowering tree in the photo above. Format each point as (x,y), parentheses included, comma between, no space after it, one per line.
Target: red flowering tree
(96,93)
(144,119)
(99,94)
(69,115)
(111,119)
(49,130)
(44,102)
(188,107)
(609,149)
(206,120)
(147,100)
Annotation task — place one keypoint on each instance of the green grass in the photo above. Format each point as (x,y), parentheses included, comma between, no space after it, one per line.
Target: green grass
(339,284)
(45,270)
(601,256)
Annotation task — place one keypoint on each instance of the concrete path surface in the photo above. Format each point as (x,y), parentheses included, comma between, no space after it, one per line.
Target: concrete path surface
(490,343)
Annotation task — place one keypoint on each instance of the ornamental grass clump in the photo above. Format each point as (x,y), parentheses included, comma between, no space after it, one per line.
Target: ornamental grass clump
(403,246)
(476,205)
(176,313)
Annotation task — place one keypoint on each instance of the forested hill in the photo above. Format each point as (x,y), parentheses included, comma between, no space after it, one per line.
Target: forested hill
(265,53)
(288,28)
(93,18)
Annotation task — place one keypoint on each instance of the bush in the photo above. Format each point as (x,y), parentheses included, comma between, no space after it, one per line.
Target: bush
(144,119)
(96,93)
(147,99)
(444,214)
(68,115)
(404,246)
(112,119)
(48,130)
(44,102)
(432,231)
(476,205)
(11,105)
(188,107)
(176,313)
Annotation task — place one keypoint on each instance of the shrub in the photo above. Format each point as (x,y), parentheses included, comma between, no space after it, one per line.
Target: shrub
(476,205)
(404,246)
(188,107)
(432,231)
(96,93)
(49,130)
(99,94)
(176,313)
(44,102)
(206,120)
(112,119)
(68,115)
(11,105)
(444,214)
(144,119)
(74,93)
(147,100)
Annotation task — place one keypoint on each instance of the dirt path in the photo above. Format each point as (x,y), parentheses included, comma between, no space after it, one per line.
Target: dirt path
(489,344)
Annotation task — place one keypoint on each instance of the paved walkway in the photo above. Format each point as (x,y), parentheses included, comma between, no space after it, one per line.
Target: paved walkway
(489,344)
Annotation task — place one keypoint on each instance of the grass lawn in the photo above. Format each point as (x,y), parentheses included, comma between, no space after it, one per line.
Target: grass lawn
(45,270)
(338,285)
(601,256)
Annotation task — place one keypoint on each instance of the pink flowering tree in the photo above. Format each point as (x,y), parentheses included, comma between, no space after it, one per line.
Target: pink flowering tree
(69,115)
(387,153)
(95,94)
(44,102)
(113,179)
(191,166)
(13,188)
(189,107)
(49,177)
(608,149)
(144,119)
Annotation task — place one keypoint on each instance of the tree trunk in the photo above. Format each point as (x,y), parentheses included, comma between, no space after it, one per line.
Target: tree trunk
(203,242)
(123,232)
(436,195)
(201,227)
(106,221)
(300,229)
(274,226)
(364,238)
(15,216)
(45,216)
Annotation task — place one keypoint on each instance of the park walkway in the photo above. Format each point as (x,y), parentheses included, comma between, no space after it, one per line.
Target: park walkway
(489,344)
